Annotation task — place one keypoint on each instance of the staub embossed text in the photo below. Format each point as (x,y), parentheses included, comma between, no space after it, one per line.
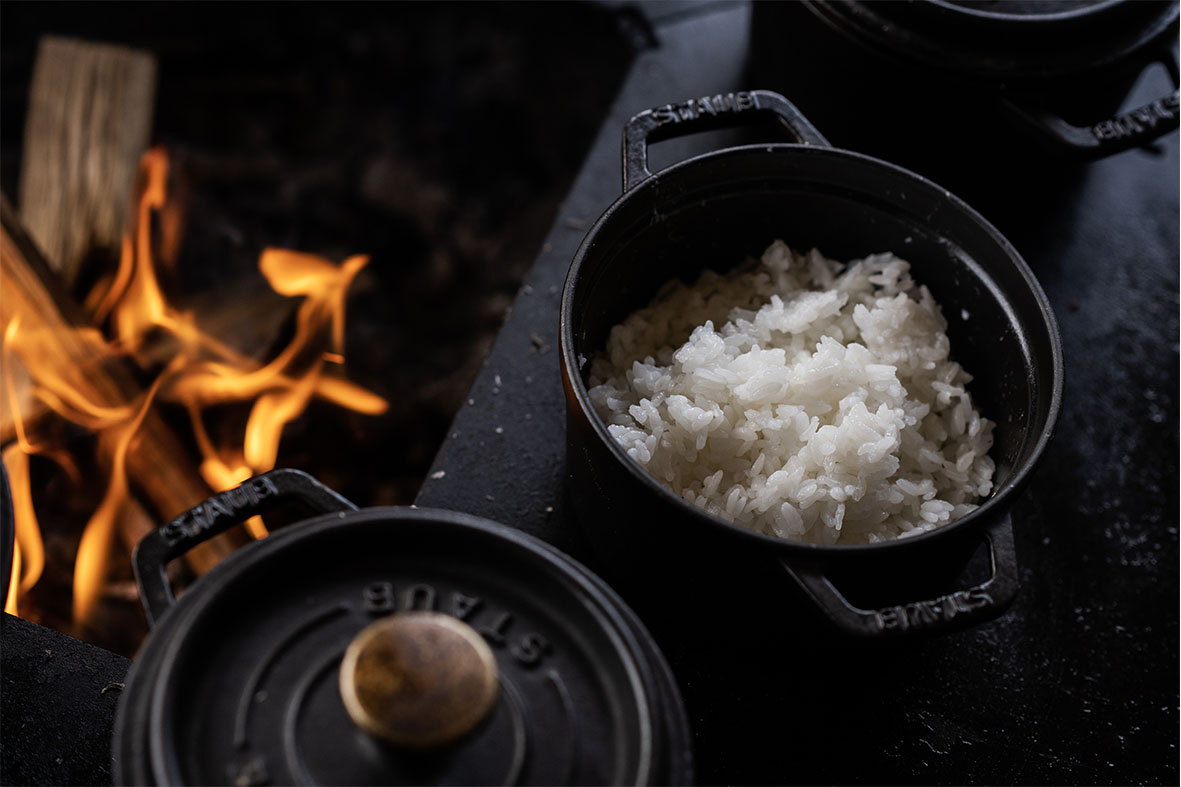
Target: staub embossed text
(228,504)
(706,105)
(925,613)
(1140,120)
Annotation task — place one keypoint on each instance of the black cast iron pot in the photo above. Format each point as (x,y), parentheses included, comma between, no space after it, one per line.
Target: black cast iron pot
(1056,68)
(305,658)
(1004,101)
(719,209)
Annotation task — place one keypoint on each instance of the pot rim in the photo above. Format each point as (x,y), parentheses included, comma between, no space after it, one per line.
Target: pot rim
(961,39)
(988,509)
(643,666)
(1057,15)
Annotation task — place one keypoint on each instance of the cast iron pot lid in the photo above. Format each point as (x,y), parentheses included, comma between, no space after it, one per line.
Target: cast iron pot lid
(1007,39)
(240,683)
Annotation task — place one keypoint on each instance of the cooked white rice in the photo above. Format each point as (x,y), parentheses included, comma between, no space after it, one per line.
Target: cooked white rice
(823,408)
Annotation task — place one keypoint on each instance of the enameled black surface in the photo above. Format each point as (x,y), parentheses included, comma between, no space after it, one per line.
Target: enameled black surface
(915,81)
(239,682)
(1000,42)
(1077,683)
(719,209)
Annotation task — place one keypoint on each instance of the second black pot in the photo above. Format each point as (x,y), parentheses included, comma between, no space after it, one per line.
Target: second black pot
(716,210)
(1003,102)
(1051,70)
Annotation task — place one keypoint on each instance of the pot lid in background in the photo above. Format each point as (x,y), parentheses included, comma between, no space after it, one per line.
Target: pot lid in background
(240,683)
(1007,40)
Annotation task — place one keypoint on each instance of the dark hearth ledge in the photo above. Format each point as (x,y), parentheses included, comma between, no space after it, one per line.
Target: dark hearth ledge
(57,694)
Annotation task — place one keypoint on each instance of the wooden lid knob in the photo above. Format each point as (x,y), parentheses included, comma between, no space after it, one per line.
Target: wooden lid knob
(418,679)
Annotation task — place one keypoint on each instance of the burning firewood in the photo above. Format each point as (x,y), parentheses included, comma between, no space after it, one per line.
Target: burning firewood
(156,459)
(85,362)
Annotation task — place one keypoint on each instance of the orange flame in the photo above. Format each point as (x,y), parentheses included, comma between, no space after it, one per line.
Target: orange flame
(90,567)
(13,582)
(203,372)
(322,283)
(56,387)
(145,304)
(28,558)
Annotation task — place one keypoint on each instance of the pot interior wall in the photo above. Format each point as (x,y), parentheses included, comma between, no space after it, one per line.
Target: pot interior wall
(723,209)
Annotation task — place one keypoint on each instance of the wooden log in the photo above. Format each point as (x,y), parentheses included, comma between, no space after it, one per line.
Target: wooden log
(89,121)
(159,467)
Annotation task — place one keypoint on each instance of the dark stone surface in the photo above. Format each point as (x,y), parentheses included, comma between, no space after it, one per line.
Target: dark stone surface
(1078,682)
(58,698)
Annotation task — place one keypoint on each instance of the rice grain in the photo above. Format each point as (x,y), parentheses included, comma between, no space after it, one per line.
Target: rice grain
(799,397)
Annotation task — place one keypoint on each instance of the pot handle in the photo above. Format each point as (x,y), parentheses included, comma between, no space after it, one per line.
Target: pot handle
(1112,135)
(216,515)
(943,613)
(705,114)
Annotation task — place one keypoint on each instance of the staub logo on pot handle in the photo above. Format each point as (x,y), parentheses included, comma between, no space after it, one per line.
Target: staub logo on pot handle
(706,105)
(221,512)
(1139,121)
(702,114)
(929,613)
(226,505)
